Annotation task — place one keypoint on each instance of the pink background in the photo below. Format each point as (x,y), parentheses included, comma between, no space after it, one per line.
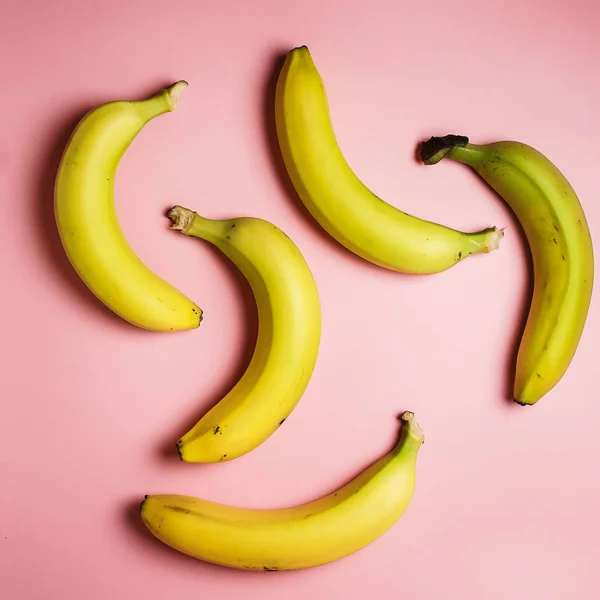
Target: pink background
(507,497)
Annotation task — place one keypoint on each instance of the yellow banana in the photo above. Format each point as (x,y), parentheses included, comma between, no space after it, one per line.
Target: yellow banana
(308,535)
(87,221)
(561,247)
(289,334)
(339,201)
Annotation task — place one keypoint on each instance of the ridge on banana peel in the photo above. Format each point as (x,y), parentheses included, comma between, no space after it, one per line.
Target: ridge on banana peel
(339,201)
(558,236)
(289,334)
(304,536)
(87,221)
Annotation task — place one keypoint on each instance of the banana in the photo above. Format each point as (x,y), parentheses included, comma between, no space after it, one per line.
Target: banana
(558,236)
(289,333)
(303,536)
(87,221)
(339,201)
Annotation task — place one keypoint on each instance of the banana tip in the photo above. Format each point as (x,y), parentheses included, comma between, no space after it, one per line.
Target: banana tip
(521,403)
(303,49)
(178,449)
(407,416)
(408,419)
(174,91)
(493,242)
(300,55)
(181,218)
(435,148)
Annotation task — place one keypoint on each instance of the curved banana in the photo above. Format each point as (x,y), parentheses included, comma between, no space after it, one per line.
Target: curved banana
(339,201)
(289,334)
(87,221)
(308,535)
(561,247)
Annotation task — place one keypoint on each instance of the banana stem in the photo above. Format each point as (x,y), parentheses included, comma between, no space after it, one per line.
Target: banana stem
(412,435)
(436,148)
(162,102)
(486,240)
(181,218)
(191,223)
(173,92)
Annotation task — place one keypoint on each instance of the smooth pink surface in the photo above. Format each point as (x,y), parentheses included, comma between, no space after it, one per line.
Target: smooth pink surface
(507,497)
